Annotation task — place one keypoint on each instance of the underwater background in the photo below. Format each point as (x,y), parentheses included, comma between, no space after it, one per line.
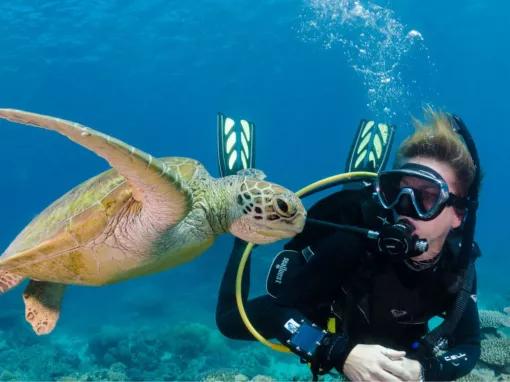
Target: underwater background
(155,73)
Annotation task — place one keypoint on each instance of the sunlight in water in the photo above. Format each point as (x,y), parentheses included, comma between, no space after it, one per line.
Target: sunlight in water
(375,44)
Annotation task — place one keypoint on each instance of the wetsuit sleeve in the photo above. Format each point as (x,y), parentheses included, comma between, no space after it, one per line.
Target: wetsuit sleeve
(268,316)
(464,352)
(333,259)
(334,254)
(265,314)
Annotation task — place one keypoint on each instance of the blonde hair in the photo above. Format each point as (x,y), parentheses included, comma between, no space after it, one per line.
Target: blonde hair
(435,138)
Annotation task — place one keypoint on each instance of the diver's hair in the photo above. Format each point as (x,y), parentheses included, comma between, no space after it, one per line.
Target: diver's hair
(435,138)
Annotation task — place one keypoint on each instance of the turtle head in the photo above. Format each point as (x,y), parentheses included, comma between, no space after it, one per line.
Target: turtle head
(266,212)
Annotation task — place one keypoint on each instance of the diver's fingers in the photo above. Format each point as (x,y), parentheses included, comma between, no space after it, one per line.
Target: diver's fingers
(383,375)
(393,354)
(396,368)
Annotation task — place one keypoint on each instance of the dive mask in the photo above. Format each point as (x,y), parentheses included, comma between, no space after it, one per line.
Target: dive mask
(416,191)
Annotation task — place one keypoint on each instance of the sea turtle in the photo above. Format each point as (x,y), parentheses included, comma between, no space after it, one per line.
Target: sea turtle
(142,216)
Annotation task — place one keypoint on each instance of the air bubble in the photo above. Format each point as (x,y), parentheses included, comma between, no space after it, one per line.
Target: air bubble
(376,45)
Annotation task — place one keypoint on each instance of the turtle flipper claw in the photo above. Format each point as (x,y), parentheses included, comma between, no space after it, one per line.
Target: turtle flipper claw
(8,280)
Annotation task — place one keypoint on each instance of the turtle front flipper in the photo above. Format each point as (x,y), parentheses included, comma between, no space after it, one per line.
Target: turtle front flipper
(42,305)
(153,181)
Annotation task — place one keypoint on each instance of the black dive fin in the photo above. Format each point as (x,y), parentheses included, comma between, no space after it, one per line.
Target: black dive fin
(236,145)
(371,147)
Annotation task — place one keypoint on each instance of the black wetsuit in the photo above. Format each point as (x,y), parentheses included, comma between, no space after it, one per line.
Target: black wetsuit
(375,300)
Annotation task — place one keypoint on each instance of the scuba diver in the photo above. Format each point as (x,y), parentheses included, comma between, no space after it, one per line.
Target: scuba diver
(361,303)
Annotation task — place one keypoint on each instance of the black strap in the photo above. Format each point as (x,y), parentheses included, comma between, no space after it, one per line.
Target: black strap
(454,314)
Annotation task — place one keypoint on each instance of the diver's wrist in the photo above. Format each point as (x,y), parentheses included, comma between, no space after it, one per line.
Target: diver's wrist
(323,350)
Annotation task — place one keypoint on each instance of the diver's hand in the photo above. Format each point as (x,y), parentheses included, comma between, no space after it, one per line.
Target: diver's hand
(372,362)
(406,369)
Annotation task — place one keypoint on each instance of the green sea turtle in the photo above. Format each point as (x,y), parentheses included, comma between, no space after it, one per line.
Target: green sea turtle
(142,216)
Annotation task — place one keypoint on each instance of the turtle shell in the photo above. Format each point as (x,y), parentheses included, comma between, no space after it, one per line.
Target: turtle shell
(70,241)
(53,247)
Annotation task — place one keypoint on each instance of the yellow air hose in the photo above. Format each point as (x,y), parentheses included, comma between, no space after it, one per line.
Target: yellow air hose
(332,180)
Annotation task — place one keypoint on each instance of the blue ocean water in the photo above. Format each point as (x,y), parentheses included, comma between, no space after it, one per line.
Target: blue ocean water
(155,73)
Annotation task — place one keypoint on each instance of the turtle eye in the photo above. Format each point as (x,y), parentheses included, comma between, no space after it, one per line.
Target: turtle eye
(283,208)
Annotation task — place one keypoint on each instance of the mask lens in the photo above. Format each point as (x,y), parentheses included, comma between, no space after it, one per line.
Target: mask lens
(405,207)
(425,192)
(389,184)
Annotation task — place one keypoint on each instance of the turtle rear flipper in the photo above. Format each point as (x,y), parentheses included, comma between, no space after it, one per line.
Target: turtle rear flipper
(8,280)
(42,305)
(154,183)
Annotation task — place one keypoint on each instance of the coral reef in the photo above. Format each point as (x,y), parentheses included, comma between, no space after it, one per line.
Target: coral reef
(139,347)
(226,375)
(492,319)
(494,363)
(35,358)
(496,354)
(479,375)
(183,351)
(116,372)
(186,351)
